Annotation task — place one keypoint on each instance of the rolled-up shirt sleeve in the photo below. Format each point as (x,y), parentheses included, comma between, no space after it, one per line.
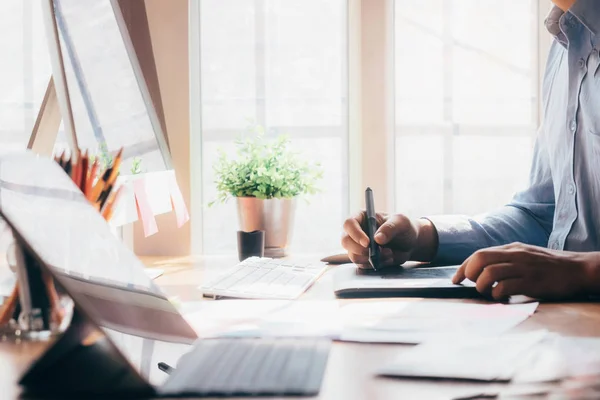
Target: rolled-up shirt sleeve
(527,218)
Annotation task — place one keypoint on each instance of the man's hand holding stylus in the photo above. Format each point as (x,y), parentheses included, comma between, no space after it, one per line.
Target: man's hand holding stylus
(401,239)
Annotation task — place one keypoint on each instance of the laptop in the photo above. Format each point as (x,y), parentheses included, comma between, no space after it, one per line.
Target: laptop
(410,280)
(138,328)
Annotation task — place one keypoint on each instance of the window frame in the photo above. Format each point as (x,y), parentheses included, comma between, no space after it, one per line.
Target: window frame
(371,120)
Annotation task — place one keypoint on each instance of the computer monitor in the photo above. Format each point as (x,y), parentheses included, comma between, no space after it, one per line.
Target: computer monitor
(57,226)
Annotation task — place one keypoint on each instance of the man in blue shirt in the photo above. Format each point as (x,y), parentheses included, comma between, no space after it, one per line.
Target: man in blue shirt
(546,242)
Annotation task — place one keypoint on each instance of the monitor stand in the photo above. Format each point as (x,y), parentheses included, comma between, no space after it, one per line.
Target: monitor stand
(83,362)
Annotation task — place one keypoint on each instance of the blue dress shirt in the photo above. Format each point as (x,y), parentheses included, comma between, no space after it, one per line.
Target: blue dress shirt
(560,208)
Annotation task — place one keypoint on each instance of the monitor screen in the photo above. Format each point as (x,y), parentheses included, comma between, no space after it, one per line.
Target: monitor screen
(61,229)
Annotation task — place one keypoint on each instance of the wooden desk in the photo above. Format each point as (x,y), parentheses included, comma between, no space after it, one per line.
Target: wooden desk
(350,370)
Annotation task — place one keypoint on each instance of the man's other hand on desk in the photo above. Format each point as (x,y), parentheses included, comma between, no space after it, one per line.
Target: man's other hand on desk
(400,238)
(519,269)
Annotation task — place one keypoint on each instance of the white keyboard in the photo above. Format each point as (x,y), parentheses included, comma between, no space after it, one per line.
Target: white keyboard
(265,278)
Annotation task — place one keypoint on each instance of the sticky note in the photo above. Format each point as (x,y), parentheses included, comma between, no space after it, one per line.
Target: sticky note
(145,213)
(181,211)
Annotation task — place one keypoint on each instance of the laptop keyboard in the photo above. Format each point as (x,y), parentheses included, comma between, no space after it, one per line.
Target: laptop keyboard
(265,278)
(251,367)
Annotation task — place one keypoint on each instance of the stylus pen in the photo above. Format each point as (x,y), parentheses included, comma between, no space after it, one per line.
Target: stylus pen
(165,367)
(371,229)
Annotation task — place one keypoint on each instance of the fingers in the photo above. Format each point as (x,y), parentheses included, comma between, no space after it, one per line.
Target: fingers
(355,241)
(360,261)
(352,227)
(496,273)
(473,266)
(395,226)
(507,288)
(389,258)
(459,275)
(352,247)
(501,271)
(386,259)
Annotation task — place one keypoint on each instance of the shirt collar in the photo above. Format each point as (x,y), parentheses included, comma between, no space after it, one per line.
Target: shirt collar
(552,23)
(586,11)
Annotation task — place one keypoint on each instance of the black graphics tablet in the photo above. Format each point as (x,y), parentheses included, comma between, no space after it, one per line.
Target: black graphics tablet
(411,280)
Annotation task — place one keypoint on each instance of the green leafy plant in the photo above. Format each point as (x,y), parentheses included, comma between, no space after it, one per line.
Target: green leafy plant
(264,169)
(105,159)
(136,166)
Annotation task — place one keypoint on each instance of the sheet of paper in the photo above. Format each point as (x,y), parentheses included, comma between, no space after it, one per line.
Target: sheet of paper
(574,361)
(472,357)
(178,204)
(263,318)
(125,211)
(145,213)
(370,321)
(559,357)
(415,322)
(154,273)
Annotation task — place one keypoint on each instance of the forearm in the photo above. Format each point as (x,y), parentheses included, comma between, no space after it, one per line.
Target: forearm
(459,236)
(591,273)
(427,241)
(527,219)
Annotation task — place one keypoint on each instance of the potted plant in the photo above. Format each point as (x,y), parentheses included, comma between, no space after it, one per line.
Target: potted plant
(266,178)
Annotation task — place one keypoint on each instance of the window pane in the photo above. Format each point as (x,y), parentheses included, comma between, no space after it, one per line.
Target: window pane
(493,61)
(419,54)
(107,102)
(228,64)
(24,74)
(417,192)
(478,189)
(466,73)
(281,64)
(24,71)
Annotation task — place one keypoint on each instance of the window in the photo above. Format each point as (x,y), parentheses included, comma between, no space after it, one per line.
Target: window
(109,107)
(466,75)
(465,108)
(24,74)
(281,64)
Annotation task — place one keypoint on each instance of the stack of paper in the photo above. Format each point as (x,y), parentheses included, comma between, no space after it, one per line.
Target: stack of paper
(532,357)
(497,358)
(407,321)
(261,318)
(422,321)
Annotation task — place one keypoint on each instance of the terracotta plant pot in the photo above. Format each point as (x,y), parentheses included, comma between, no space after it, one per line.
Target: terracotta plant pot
(274,216)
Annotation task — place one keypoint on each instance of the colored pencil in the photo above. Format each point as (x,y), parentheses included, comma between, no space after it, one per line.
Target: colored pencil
(84,171)
(8,308)
(90,180)
(107,210)
(99,192)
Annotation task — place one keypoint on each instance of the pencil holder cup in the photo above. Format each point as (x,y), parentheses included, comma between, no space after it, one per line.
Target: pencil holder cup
(251,244)
(37,308)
